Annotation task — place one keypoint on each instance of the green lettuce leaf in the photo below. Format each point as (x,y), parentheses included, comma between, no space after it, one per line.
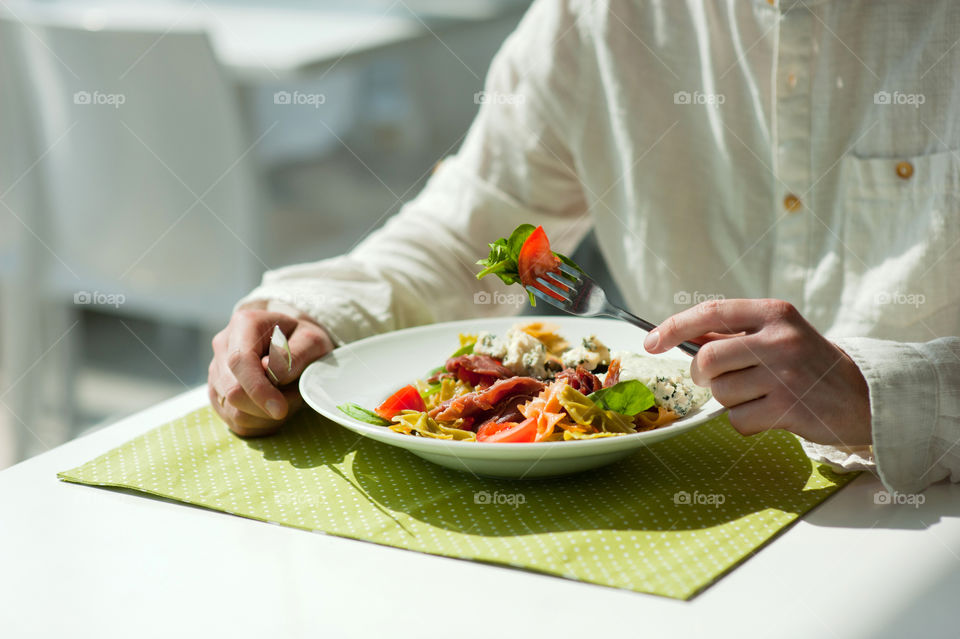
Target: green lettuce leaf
(627,398)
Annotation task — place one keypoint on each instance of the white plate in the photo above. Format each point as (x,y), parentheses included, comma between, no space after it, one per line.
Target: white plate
(368,371)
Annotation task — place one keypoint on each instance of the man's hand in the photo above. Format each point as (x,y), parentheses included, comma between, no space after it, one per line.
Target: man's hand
(772,369)
(238,386)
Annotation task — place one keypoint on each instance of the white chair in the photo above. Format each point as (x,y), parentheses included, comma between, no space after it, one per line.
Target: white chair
(150,201)
(152,196)
(20,307)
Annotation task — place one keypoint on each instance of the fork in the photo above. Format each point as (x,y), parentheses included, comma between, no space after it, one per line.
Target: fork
(582,296)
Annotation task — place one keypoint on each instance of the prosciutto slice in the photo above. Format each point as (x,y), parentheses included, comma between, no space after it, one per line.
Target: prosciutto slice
(497,401)
(478,370)
(580,379)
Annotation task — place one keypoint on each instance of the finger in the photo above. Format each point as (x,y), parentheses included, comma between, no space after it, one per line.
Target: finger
(236,420)
(248,341)
(246,425)
(225,386)
(740,387)
(723,356)
(714,316)
(307,344)
(756,416)
(233,394)
(712,337)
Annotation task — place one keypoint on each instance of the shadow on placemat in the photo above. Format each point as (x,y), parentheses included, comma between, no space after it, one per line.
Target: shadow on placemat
(672,485)
(668,520)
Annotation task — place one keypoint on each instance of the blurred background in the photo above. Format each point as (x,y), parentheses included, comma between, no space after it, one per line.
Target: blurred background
(156,156)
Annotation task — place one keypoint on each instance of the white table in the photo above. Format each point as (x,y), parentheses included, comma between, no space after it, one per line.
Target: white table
(78,561)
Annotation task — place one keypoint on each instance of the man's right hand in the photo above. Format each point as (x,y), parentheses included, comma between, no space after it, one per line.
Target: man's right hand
(239,388)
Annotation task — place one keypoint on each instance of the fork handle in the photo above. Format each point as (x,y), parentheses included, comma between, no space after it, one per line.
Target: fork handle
(687,347)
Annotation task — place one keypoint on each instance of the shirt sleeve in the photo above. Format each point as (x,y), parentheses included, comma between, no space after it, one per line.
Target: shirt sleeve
(915,409)
(515,166)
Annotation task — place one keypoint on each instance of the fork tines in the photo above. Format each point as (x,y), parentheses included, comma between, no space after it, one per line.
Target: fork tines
(540,295)
(554,286)
(572,272)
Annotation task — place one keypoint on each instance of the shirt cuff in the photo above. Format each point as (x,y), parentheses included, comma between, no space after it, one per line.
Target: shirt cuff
(298,291)
(841,459)
(903,389)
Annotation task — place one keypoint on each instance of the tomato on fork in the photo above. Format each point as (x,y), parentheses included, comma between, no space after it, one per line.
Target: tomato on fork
(537,260)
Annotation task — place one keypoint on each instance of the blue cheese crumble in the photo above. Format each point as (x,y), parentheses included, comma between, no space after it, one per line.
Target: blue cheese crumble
(526,355)
(590,354)
(490,345)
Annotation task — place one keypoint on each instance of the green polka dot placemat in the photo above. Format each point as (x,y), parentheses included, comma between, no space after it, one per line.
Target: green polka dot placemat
(667,520)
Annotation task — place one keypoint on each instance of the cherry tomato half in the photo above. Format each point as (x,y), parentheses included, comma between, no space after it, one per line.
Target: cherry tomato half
(537,260)
(508,432)
(407,398)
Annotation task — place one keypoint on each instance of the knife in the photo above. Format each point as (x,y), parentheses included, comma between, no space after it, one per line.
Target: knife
(279,358)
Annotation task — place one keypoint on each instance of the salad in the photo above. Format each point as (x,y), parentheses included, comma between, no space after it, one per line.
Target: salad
(532,385)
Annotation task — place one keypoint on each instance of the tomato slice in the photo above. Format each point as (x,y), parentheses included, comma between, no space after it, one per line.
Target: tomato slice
(508,432)
(537,260)
(407,398)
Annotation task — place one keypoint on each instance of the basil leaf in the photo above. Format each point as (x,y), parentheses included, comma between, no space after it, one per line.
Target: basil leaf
(361,414)
(627,398)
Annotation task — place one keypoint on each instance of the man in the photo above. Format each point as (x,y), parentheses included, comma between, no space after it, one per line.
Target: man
(794,162)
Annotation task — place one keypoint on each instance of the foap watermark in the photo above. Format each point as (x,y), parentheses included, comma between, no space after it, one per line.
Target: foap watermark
(302,500)
(494,97)
(96,298)
(686,298)
(915,300)
(698,97)
(497,498)
(899,98)
(696,498)
(484,298)
(883,498)
(298,98)
(98,98)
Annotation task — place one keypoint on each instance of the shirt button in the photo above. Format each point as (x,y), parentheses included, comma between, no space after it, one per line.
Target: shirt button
(791,202)
(904,170)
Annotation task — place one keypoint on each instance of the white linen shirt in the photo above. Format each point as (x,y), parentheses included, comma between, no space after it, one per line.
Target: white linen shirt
(805,151)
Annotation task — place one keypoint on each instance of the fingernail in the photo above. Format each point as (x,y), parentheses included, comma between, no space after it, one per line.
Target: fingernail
(275,408)
(652,340)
